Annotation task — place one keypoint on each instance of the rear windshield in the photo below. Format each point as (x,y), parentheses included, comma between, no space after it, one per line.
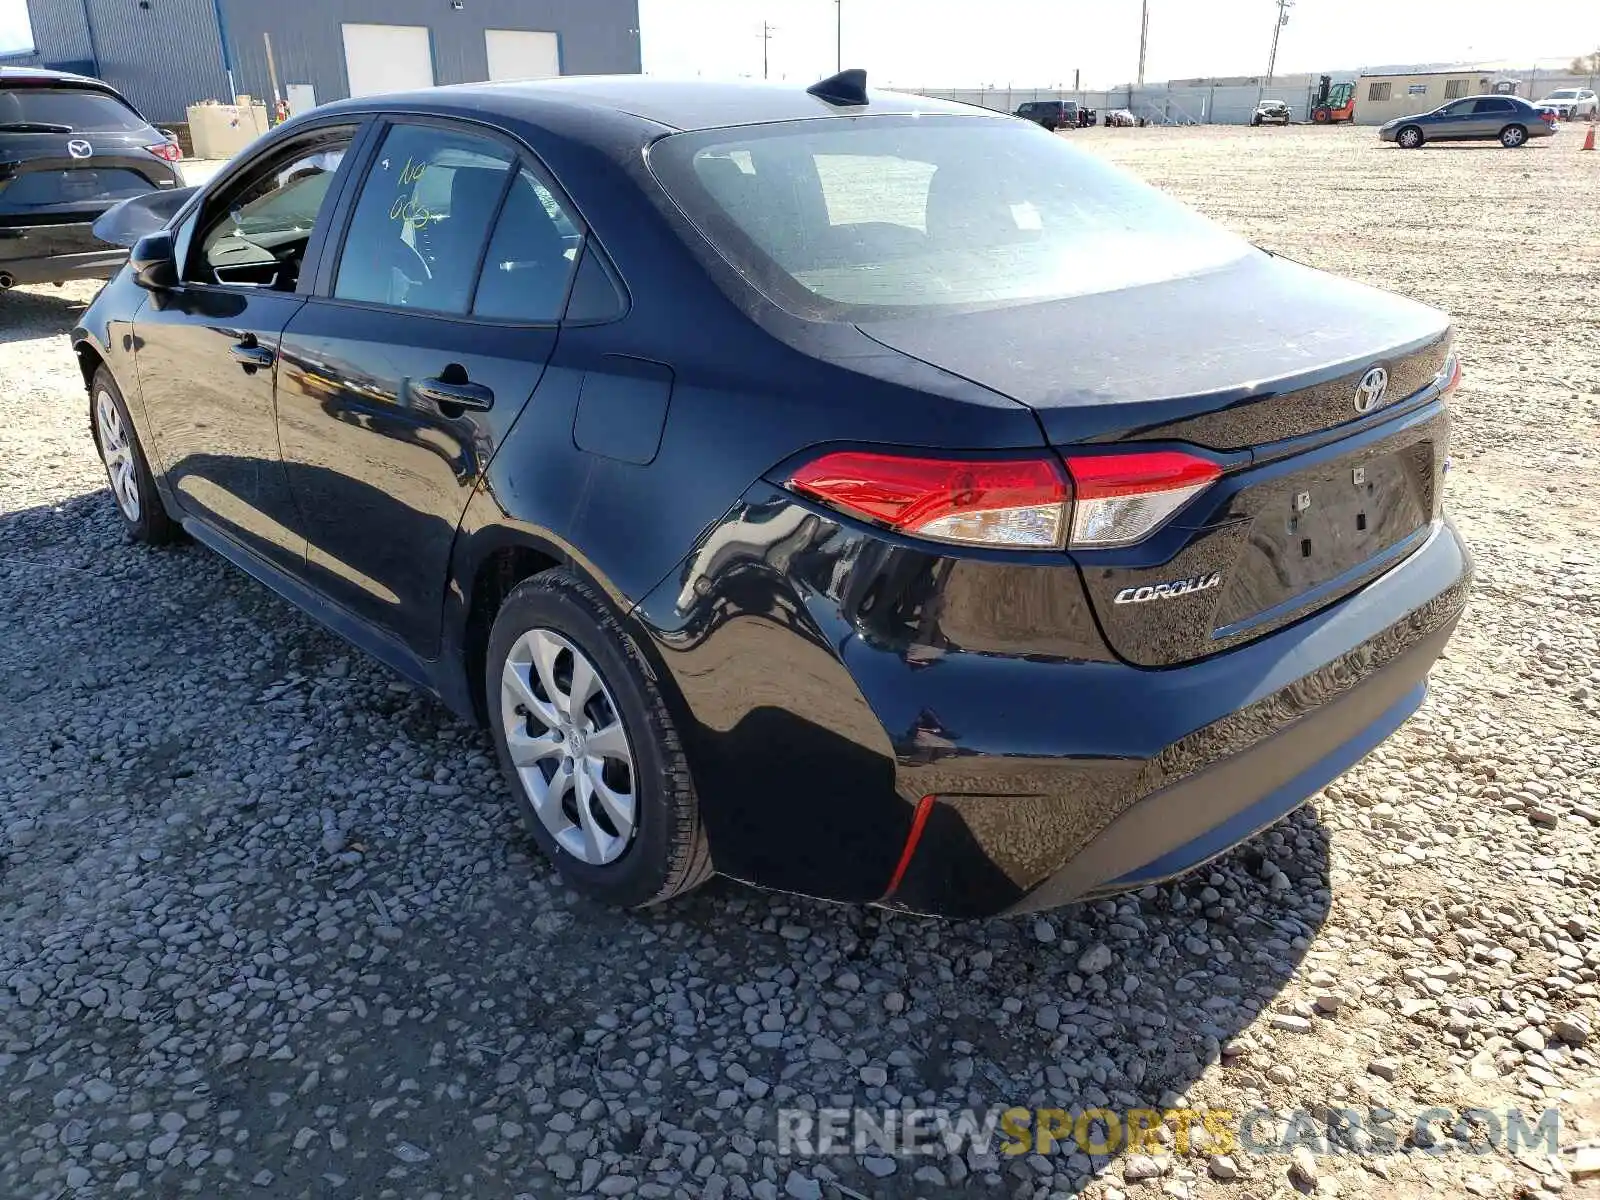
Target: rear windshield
(79,109)
(855,218)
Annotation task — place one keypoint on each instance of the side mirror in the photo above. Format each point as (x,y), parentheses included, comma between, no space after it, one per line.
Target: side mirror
(154,263)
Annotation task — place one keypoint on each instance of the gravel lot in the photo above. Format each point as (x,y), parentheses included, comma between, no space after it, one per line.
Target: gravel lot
(268,926)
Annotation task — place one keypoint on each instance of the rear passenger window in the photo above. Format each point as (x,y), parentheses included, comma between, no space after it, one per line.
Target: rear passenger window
(422,219)
(531,256)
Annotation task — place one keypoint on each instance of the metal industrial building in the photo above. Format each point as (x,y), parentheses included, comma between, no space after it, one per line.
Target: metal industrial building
(167,54)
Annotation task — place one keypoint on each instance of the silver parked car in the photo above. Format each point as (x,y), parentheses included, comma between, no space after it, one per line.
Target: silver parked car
(1272,112)
(1510,120)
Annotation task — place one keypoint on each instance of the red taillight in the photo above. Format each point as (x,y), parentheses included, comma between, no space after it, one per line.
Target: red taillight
(1026,503)
(1451,375)
(1016,502)
(1123,498)
(167,150)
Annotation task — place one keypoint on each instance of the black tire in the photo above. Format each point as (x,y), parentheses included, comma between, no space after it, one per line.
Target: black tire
(1513,136)
(668,853)
(1255,121)
(150,523)
(1409,137)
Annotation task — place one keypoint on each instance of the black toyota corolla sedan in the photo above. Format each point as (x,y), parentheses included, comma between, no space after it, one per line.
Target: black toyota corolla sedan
(852,493)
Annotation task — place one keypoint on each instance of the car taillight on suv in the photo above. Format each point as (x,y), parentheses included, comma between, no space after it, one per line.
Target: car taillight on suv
(167,150)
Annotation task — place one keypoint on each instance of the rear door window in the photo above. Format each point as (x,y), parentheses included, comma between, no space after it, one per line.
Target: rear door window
(1495,104)
(71,110)
(422,219)
(531,256)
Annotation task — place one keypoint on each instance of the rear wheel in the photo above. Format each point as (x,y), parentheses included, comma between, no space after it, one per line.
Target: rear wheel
(1513,136)
(1255,121)
(133,487)
(1409,138)
(1320,116)
(589,747)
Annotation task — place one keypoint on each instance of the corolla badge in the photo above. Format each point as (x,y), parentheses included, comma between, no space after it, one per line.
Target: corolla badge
(79,148)
(1372,390)
(1168,591)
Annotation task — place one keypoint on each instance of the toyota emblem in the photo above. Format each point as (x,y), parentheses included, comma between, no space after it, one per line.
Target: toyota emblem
(1372,390)
(79,148)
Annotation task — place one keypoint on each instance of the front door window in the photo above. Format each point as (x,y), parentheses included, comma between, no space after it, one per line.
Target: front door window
(259,238)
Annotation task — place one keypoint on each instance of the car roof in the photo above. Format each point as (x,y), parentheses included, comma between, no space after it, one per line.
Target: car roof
(669,105)
(44,77)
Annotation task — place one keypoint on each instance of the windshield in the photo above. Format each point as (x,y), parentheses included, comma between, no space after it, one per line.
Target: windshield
(1562,95)
(75,109)
(855,218)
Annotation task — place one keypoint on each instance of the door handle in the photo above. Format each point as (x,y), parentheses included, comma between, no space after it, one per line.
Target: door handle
(463,395)
(250,356)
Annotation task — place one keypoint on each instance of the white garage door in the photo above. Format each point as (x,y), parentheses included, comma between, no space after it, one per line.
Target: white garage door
(387,58)
(522,54)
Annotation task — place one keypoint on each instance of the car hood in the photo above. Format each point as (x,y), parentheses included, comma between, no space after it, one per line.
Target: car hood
(1108,364)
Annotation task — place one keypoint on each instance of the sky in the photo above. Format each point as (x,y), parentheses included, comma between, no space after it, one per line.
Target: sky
(1040,43)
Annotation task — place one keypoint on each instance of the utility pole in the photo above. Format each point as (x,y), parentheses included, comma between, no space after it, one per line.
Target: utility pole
(767,28)
(1144,37)
(1283,19)
(838,35)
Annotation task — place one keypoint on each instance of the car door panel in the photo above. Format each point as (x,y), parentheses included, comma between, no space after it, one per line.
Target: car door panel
(206,352)
(381,469)
(212,416)
(392,396)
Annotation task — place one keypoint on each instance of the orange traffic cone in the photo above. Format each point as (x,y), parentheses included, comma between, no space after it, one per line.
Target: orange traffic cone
(1588,138)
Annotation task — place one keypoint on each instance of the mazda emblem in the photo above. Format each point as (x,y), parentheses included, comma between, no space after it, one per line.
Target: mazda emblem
(79,148)
(1372,390)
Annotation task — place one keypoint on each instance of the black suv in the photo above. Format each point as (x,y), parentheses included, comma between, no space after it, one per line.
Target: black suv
(70,148)
(1052,114)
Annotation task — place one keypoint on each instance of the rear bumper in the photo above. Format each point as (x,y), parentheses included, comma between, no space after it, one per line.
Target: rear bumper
(56,253)
(831,678)
(1309,702)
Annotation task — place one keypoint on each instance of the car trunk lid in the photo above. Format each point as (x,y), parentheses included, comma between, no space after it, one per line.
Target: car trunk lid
(1260,364)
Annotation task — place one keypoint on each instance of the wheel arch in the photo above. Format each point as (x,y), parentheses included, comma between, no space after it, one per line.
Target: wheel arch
(488,562)
(90,359)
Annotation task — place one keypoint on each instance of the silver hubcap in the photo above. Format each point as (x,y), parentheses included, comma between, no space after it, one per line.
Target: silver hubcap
(1514,137)
(1409,137)
(116,447)
(568,746)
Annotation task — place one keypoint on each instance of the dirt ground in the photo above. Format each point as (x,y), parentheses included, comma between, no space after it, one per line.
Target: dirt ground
(267,926)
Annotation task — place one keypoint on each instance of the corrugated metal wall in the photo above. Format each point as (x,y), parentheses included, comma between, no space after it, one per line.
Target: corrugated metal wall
(162,58)
(59,35)
(597,37)
(169,55)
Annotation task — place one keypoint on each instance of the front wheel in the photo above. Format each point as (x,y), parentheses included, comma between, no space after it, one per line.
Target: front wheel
(127,470)
(1409,138)
(589,747)
(1513,136)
